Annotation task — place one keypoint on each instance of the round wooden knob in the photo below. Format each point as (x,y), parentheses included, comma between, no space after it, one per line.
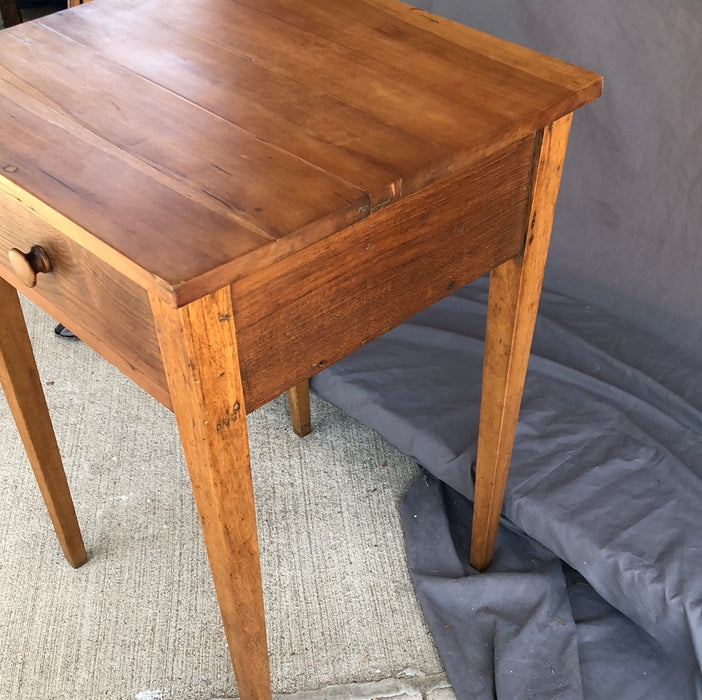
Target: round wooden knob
(28,265)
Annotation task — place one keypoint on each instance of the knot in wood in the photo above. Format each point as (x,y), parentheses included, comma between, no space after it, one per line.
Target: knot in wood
(230,417)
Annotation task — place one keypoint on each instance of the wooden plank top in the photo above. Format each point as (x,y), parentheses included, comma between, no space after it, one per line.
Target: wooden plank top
(189,144)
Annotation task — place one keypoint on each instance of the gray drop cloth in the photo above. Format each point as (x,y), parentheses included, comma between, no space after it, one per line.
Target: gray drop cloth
(606,472)
(596,586)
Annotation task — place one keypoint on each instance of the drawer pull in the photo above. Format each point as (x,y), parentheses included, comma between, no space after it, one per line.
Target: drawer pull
(28,265)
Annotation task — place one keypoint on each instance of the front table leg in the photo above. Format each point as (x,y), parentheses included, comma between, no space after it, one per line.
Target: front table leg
(199,351)
(513,300)
(25,397)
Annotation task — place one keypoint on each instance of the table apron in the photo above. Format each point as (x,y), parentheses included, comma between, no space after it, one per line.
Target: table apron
(315,307)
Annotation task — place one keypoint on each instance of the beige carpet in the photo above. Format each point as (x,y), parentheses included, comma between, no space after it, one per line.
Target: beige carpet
(139,621)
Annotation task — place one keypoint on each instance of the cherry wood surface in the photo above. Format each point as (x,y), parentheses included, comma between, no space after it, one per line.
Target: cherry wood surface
(103,308)
(513,301)
(199,349)
(299,403)
(233,194)
(25,397)
(202,123)
(311,309)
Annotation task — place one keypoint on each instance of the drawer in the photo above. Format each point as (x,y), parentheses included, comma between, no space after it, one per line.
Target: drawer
(108,312)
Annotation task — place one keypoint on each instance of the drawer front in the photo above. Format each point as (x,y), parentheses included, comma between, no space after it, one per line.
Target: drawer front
(108,312)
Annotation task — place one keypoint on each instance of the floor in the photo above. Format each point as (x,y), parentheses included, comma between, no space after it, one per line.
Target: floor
(139,621)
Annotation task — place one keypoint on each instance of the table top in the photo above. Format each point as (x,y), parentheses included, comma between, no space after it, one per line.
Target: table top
(190,144)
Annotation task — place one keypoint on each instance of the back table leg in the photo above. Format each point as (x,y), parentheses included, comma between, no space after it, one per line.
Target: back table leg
(299,401)
(199,351)
(513,300)
(25,396)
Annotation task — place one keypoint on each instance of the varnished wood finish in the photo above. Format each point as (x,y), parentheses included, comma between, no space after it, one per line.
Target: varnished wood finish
(311,309)
(307,173)
(104,309)
(338,122)
(299,402)
(513,300)
(199,352)
(25,396)
(27,266)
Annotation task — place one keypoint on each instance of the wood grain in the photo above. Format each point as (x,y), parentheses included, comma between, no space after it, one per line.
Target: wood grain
(252,130)
(211,157)
(199,350)
(299,119)
(513,300)
(299,402)
(25,396)
(311,309)
(82,186)
(513,57)
(419,83)
(104,309)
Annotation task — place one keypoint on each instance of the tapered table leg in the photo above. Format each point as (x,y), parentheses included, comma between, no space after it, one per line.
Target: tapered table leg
(513,299)
(25,396)
(299,402)
(199,351)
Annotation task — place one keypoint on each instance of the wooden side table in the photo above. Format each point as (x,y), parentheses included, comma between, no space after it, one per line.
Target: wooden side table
(237,194)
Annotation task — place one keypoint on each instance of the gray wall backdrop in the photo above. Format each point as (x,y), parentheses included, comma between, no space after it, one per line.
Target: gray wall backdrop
(628,227)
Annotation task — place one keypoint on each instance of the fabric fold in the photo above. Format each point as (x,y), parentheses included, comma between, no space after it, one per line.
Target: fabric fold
(606,472)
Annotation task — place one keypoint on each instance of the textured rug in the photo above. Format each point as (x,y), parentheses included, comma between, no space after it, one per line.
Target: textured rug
(139,621)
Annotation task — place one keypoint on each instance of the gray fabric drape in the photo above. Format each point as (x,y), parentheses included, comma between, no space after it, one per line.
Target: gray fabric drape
(606,476)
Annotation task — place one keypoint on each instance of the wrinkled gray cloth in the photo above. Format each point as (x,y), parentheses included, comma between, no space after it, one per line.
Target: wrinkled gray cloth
(527,627)
(606,476)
